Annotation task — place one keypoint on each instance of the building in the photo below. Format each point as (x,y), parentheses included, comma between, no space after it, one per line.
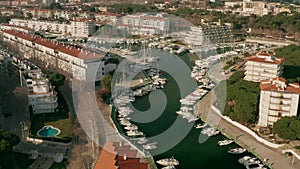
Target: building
(277,99)
(18,28)
(214,32)
(263,66)
(41,95)
(144,24)
(77,63)
(255,7)
(116,155)
(76,28)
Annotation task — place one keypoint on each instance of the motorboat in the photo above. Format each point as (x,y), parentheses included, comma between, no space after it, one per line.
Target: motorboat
(238,150)
(131,127)
(210,131)
(225,142)
(247,160)
(125,122)
(142,140)
(134,133)
(168,162)
(169,167)
(150,146)
(255,166)
(200,126)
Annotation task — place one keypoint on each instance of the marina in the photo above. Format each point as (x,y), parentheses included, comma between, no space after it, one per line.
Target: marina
(199,153)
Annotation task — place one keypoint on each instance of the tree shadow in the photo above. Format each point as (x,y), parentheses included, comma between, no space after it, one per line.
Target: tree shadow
(292,73)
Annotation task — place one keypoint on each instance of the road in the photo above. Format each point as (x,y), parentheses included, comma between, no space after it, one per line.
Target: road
(13,99)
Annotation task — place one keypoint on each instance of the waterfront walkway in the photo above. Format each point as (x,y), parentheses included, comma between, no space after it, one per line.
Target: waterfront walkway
(274,156)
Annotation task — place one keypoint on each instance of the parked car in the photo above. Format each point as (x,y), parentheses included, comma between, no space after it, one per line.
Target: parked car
(7,114)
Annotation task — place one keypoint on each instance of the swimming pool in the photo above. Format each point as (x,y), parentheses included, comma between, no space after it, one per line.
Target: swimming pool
(48,131)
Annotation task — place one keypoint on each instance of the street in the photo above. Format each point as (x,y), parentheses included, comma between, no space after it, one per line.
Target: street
(13,99)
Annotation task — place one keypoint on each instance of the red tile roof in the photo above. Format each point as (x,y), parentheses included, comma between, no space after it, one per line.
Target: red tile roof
(112,157)
(15,26)
(267,58)
(67,49)
(271,85)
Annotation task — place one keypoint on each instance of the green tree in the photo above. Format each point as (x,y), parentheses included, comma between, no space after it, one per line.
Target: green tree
(106,82)
(288,128)
(57,79)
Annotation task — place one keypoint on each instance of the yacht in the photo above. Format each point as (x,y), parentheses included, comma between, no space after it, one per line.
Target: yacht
(225,142)
(169,167)
(134,133)
(247,160)
(131,127)
(236,150)
(142,140)
(150,146)
(168,161)
(210,131)
(200,126)
(125,122)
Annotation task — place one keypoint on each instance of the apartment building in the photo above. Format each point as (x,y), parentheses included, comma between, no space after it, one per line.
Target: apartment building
(263,66)
(144,24)
(41,95)
(76,28)
(255,7)
(277,99)
(77,63)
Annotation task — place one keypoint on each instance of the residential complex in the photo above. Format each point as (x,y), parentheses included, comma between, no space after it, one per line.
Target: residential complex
(80,28)
(277,99)
(143,24)
(263,66)
(77,63)
(41,95)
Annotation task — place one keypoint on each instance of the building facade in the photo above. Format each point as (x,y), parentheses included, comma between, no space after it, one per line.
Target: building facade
(277,99)
(263,66)
(144,24)
(81,28)
(77,63)
(41,95)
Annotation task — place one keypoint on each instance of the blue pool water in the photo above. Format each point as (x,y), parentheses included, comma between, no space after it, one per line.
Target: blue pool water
(48,131)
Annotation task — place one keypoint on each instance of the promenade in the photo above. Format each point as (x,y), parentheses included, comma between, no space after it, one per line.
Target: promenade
(274,156)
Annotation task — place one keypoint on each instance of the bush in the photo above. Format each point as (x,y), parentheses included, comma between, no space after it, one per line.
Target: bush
(288,128)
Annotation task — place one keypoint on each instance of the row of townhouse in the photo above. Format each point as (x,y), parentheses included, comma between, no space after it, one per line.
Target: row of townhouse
(277,98)
(77,63)
(80,28)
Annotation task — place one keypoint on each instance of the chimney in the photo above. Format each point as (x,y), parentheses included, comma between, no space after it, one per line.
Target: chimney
(121,144)
(125,157)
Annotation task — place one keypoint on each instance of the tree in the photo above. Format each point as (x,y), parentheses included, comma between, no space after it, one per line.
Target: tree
(55,6)
(57,79)
(288,128)
(7,140)
(106,82)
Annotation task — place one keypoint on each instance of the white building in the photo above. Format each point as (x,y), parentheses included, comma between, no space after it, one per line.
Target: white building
(144,24)
(41,95)
(255,7)
(81,28)
(263,66)
(77,63)
(277,99)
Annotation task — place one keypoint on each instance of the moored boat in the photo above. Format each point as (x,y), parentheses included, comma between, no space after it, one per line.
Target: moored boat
(225,142)
(238,150)
(168,162)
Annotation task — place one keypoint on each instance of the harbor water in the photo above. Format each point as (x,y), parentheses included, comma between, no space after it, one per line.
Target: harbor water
(189,152)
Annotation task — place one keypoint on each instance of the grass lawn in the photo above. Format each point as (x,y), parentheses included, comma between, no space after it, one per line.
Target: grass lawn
(9,159)
(59,120)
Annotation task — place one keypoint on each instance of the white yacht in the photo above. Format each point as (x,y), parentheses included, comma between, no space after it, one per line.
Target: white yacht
(168,162)
(200,126)
(225,142)
(134,133)
(210,131)
(131,127)
(125,122)
(169,167)
(247,160)
(236,150)
(142,140)
(150,146)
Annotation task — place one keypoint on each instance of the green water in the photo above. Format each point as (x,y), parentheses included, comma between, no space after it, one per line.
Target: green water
(189,152)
